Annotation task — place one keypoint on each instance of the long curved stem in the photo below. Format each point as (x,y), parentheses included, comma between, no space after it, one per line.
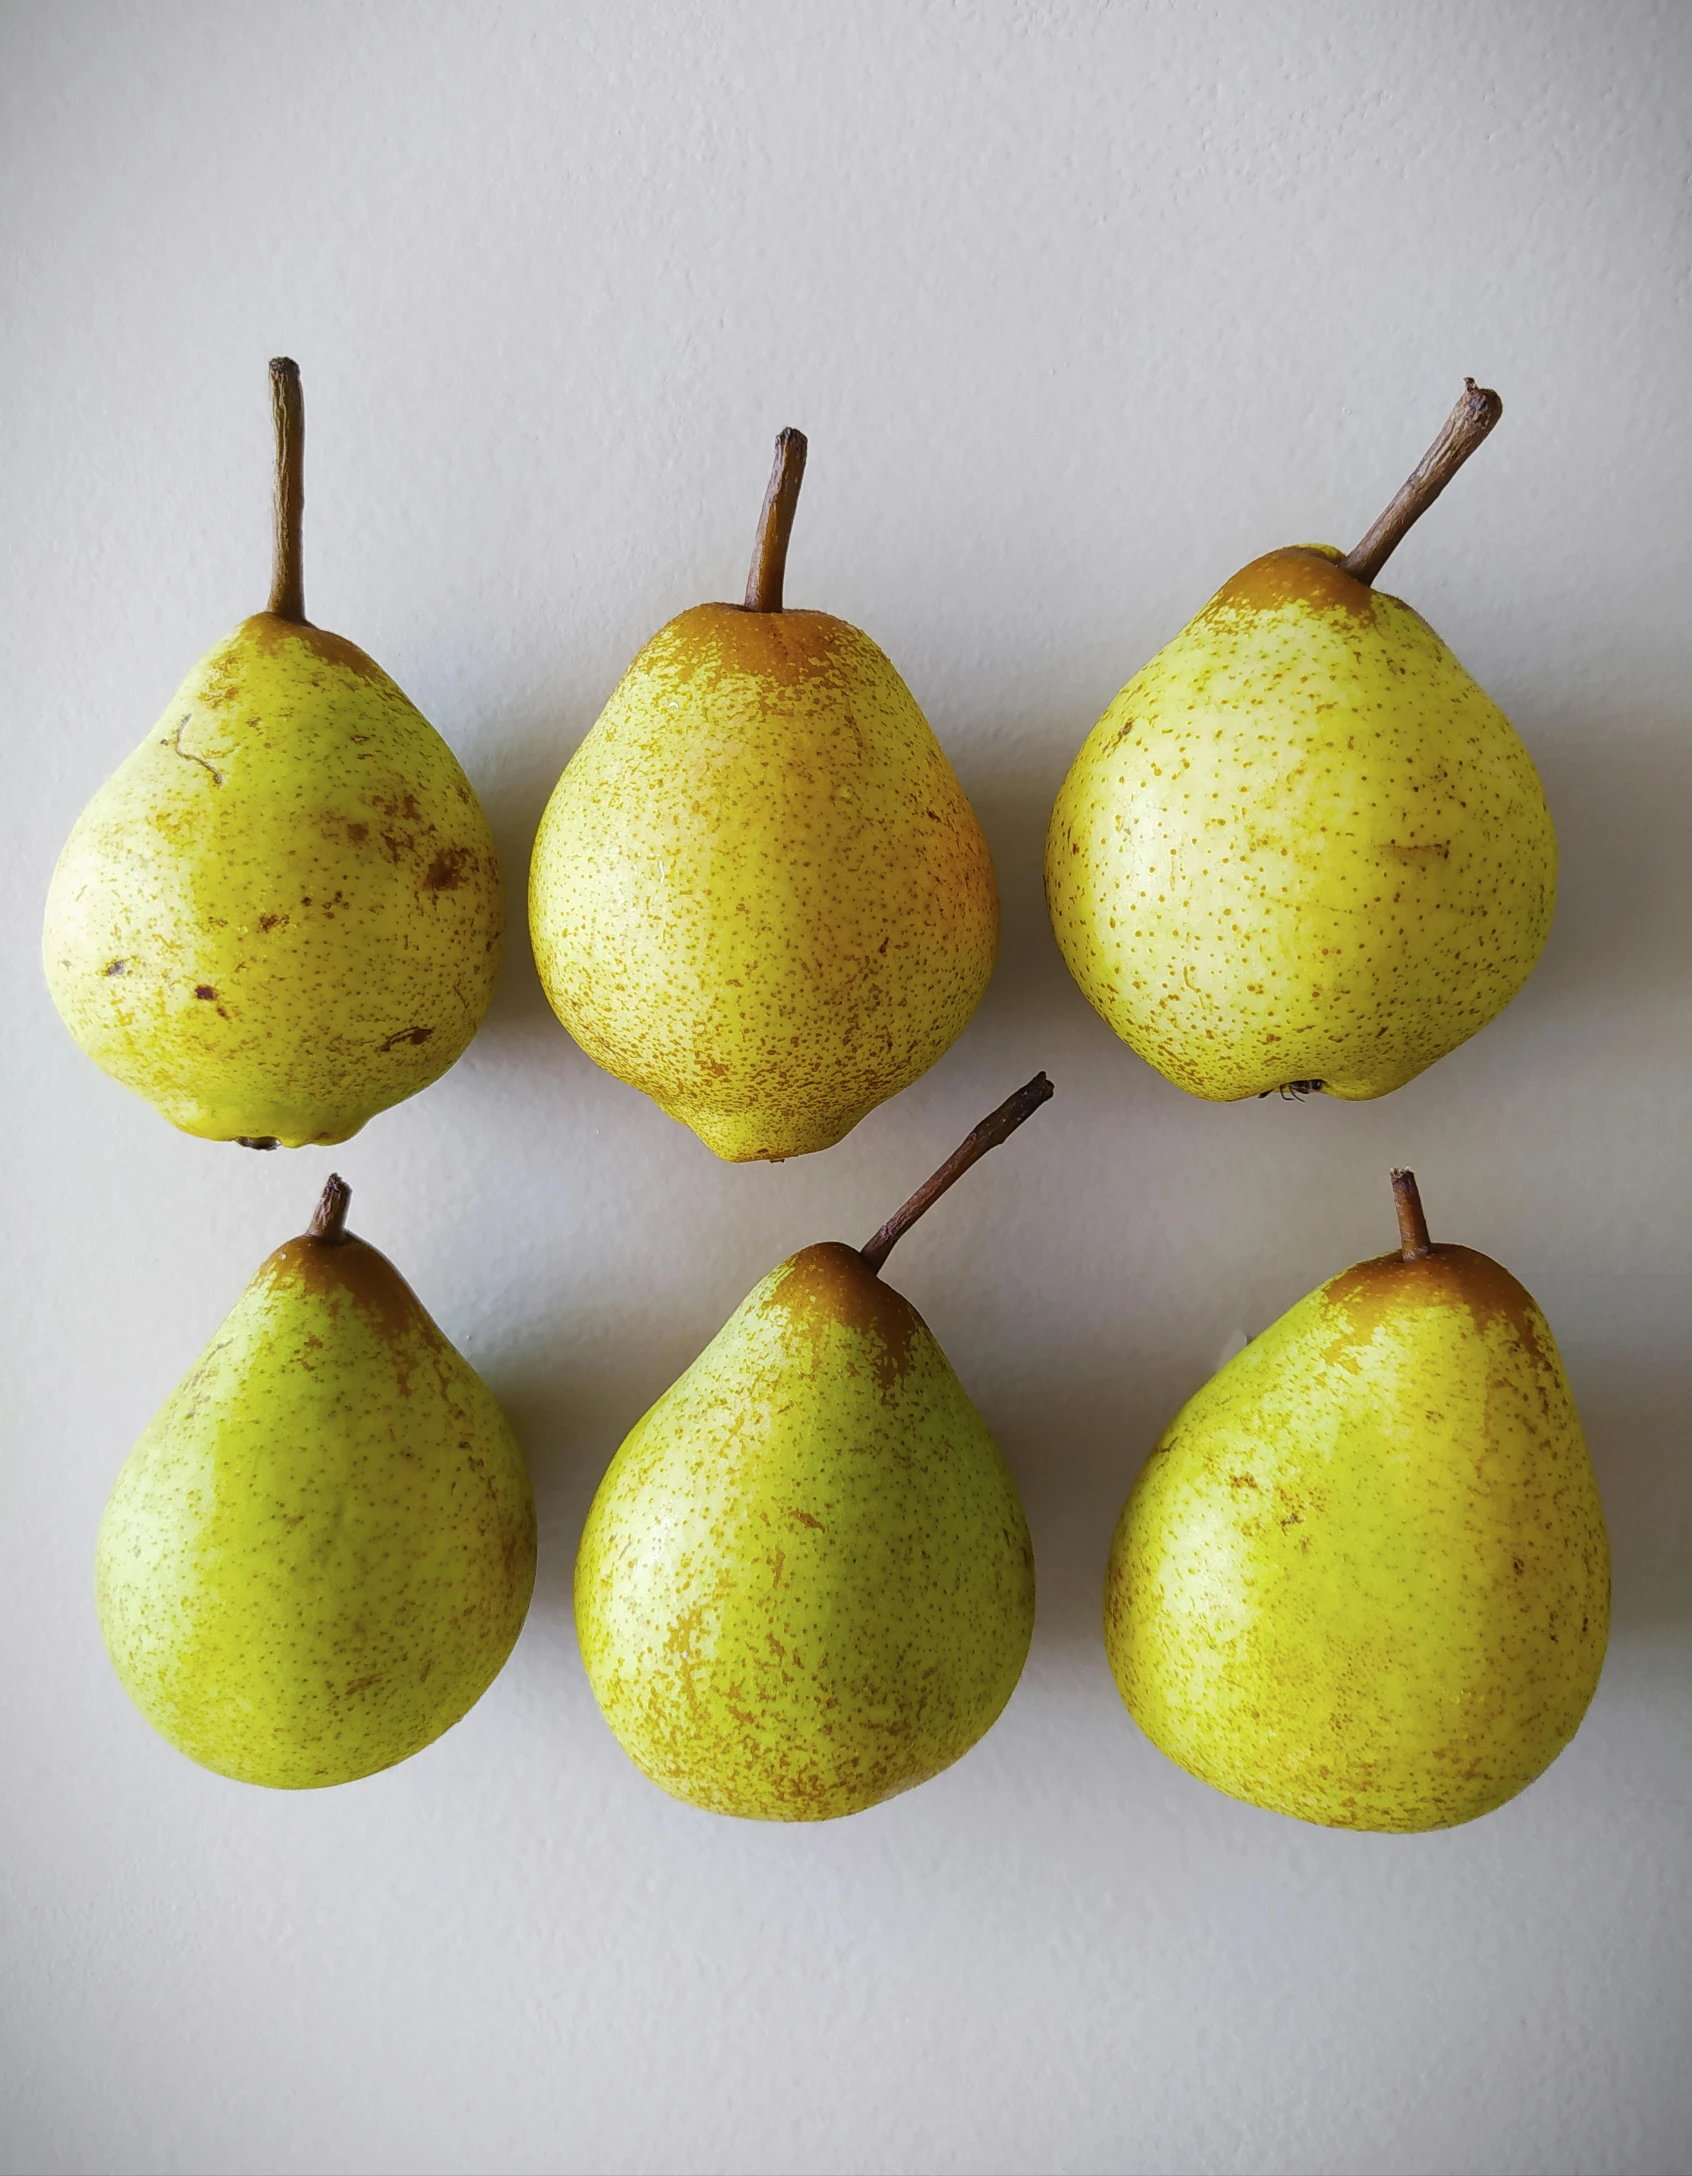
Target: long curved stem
(287,407)
(1465,427)
(1413,1241)
(775,524)
(997,1127)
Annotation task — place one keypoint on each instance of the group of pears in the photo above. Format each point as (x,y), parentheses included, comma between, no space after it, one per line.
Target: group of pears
(1362,1579)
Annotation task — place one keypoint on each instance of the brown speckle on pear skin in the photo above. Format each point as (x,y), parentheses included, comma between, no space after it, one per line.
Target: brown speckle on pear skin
(1363,1579)
(1301,846)
(806,1581)
(759,892)
(322,1549)
(285,755)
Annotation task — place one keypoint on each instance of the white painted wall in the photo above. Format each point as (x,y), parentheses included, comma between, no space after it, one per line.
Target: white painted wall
(1081,307)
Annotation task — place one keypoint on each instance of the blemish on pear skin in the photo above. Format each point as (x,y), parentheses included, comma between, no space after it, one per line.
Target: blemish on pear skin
(331,1268)
(1376,1290)
(1301,574)
(266,631)
(189,756)
(830,1284)
(447,870)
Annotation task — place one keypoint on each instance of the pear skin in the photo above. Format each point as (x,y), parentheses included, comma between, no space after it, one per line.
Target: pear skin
(284,912)
(1363,1579)
(1302,847)
(806,1581)
(320,1553)
(759,893)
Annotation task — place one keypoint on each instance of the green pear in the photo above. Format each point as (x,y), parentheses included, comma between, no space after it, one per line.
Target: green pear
(806,1580)
(1302,848)
(758,892)
(283,913)
(320,1553)
(1363,1578)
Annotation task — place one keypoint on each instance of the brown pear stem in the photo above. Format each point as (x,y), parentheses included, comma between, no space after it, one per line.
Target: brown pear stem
(1413,1241)
(992,1130)
(287,407)
(775,524)
(329,1218)
(1465,427)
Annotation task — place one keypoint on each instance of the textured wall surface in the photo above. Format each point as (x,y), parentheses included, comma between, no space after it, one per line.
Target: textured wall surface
(1081,306)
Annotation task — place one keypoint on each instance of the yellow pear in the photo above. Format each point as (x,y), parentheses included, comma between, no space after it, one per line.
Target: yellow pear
(283,913)
(1364,1579)
(758,891)
(806,1581)
(321,1551)
(1302,848)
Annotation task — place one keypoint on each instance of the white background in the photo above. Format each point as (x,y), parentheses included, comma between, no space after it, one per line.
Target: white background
(1081,306)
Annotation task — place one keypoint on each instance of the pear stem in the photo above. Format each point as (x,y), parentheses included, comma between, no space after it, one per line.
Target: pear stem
(1414,1243)
(1465,427)
(287,407)
(775,524)
(992,1130)
(329,1218)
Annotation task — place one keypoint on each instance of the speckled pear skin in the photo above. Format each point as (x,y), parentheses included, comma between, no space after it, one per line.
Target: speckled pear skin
(1364,1578)
(284,912)
(321,1551)
(758,891)
(806,1581)
(1301,845)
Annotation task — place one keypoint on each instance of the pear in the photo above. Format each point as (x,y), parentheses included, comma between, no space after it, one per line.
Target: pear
(1302,848)
(1363,1579)
(321,1551)
(758,892)
(806,1580)
(283,913)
